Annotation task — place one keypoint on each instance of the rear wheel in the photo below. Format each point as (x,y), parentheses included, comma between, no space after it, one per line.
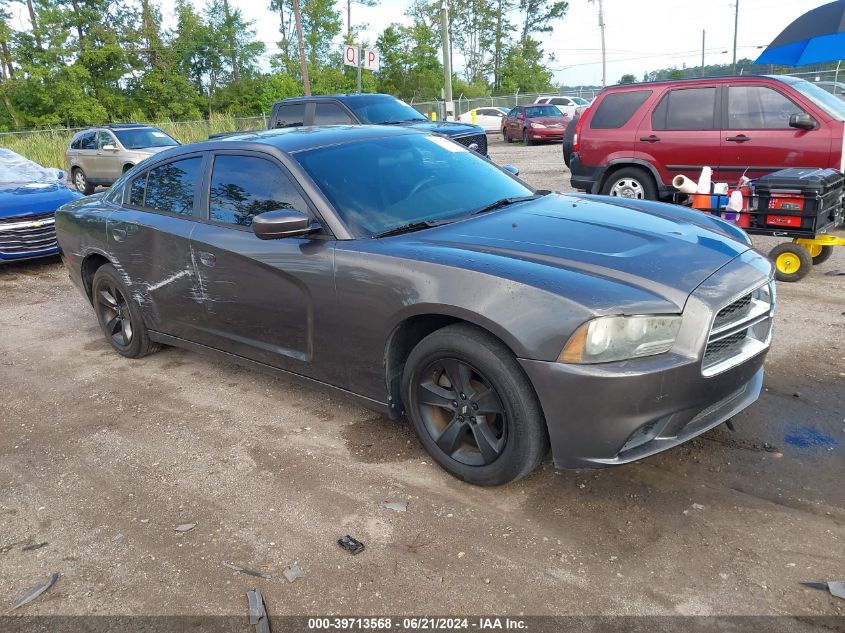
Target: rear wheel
(119,315)
(792,261)
(630,182)
(820,254)
(472,407)
(80,181)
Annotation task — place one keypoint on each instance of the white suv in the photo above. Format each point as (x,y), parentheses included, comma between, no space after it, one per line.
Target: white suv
(566,105)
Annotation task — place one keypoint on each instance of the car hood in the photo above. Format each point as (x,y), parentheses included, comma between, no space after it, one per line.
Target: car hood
(20,200)
(449,128)
(549,120)
(149,151)
(661,249)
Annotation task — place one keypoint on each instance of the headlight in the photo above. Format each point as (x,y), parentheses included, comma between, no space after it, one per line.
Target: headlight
(537,125)
(613,338)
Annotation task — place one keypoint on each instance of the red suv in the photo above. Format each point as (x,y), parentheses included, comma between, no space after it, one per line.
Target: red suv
(636,138)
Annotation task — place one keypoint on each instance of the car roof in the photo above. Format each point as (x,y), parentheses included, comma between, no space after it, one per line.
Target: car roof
(294,139)
(692,81)
(351,98)
(115,126)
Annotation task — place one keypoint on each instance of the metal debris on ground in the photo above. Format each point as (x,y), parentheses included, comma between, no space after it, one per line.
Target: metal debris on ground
(185,527)
(835,587)
(10,546)
(292,572)
(258,611)
(835,273)
(33,592)
(246,570)
(34,546)
(351,545)
(417,543)
(399,506)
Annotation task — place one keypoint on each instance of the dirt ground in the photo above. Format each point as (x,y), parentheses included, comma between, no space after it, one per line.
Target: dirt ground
(102,457)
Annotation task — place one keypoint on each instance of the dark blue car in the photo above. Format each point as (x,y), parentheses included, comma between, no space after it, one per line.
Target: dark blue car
(29,197)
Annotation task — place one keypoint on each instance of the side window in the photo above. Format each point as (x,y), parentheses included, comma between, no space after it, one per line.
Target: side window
(88,140)
(105,138)
(291,115)
(171,187)
(758,107)
(617,108)
(330,114)
(686,109)
(137,190)
(245,186)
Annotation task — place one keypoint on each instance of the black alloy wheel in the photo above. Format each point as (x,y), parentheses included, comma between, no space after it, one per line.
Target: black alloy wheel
(119,315)
(462,412)
(114,314)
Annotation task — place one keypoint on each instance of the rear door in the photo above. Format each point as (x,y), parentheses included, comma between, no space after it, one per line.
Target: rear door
(757,139)
(266,300)
(150,239)
(682,134)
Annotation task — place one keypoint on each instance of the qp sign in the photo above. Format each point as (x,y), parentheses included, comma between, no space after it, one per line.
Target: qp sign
(371,60)
(350,55)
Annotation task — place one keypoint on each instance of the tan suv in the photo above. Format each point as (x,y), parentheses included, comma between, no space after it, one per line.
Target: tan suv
(99,156)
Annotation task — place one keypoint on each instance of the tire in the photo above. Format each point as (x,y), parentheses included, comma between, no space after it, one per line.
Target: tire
(119,316)
(513,436)
(81,183)
(792,261)
(630,182)
(526,140)
(505,136)
(822,254)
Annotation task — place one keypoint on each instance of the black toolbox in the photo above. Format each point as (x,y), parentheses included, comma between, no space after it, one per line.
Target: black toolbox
(799,202)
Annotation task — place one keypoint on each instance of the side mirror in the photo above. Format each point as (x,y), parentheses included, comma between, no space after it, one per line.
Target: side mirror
(511,169)
(803,121)
(520,117)
(108,147)
(274,225)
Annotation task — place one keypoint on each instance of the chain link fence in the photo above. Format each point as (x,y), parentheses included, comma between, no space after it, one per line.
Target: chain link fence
(463,105)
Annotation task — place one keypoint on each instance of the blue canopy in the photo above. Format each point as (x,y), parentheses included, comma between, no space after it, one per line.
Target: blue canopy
(814,38)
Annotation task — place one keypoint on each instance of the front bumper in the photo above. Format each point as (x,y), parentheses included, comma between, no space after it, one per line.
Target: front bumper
(615,413)
(28,237)
(546,134)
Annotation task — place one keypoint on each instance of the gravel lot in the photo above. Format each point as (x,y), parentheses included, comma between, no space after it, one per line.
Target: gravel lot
(102,457)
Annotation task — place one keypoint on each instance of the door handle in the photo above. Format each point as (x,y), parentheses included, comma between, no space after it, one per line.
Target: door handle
(207,259)
(651,138)
(742,138)
(119,235)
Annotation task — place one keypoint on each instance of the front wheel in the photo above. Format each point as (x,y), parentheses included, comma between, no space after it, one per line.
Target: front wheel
(630,182)
(792,261)
(505,135)
(472,407)
(119,315)
(81,183)
(525,138)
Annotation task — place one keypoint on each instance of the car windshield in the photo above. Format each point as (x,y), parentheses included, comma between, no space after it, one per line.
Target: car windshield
(144,137)
(17,170)
(580,101)
(831,104)
(402,180)
(379,110)
(543,110)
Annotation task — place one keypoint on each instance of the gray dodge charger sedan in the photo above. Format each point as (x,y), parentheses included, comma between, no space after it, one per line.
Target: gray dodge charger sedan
(399,268)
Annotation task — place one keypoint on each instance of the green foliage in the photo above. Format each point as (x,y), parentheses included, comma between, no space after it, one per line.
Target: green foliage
(523,69)
(627,79)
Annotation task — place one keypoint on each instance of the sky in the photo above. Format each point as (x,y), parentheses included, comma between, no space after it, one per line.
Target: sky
(641,35)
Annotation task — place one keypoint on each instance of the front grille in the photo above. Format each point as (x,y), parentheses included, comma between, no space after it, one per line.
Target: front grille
(740,330)
(480,140)
(29,234)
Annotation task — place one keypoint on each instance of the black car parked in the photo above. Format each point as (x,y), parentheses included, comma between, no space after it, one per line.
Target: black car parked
(370,109)
(401,268)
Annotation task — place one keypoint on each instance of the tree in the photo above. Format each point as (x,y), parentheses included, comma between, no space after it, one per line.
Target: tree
(538,14)
(627,79)
(523,69)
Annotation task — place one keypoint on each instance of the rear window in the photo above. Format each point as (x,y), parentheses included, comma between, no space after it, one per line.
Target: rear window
(686,109)
(617,108)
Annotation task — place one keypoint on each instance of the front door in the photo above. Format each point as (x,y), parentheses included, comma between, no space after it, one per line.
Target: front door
(150,238)
(266,300)
(757,139)
(682,135)
(109,167)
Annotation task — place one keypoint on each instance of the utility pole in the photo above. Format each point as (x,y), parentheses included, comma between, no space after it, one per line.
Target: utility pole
(702,51)
(603,57)
(736,28)
(447,60)
(303,64)
(349,22)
